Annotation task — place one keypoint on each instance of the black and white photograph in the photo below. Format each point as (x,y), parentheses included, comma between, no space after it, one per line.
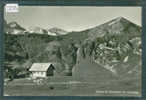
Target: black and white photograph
(73,51)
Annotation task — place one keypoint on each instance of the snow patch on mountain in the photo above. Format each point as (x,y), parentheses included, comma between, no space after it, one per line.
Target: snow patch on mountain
(56,31)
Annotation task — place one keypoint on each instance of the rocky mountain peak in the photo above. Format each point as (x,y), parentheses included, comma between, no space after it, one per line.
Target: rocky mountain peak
(117,26)
(120,18)
(13,24)
(37,30)
(13,28)
(57,31)
(119,21)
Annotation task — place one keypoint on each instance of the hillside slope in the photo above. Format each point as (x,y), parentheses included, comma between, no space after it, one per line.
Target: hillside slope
(111,48)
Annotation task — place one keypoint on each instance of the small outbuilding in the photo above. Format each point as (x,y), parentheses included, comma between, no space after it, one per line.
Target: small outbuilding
(42,70)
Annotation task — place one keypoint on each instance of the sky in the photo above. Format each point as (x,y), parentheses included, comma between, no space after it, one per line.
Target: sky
(71,18)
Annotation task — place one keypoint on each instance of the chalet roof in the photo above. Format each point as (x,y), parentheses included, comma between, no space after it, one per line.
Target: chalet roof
(40,66)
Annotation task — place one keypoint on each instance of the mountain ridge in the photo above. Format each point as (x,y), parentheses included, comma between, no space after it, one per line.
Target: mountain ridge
(112,44)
